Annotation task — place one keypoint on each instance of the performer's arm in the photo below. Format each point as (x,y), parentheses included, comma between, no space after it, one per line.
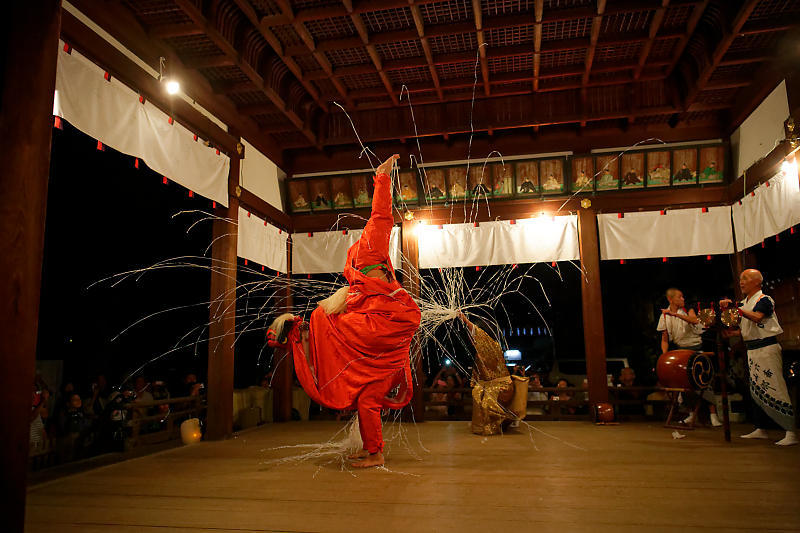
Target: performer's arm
(691,317)
(664,341)
(762,309)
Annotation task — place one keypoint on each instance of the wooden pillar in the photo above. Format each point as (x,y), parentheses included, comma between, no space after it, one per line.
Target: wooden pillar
(410,248)
(222,317)
(28,63)
(283,371)
(592,304)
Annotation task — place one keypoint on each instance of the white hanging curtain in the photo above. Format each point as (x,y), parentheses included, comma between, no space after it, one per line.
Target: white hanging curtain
(110,112)
(770,210)
(676,233)
(541,239)
(326,252)
(260,242)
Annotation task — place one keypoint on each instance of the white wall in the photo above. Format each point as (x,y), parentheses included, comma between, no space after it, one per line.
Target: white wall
(261,176)
(760,131)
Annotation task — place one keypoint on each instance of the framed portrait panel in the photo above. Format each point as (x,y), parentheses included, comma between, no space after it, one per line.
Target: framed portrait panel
(658,168)
(408,188)
(457,182)
(582,174)
(502,179)
(342,193)
(480,180)
(712,164)
(298,196)
(434,186)
(632,170)
(362,190)
(552,176)
(320,190)
(607,172)
(684,163)
(527,177)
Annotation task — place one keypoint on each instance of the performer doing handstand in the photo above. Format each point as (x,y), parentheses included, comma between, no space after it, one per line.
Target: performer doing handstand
(355,350)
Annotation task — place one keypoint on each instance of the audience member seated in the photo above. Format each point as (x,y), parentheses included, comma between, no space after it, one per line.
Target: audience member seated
(440,386)
(38,436)
(448,370)
(564,396)
(627,378)
(536,395)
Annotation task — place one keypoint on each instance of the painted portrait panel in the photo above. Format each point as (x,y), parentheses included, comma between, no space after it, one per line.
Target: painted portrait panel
(552,176)
(435,188)
(658,168)
(502,179)
(712,164)
(480,180)
(362,190)
(607,172)
(457,182)
(320,190)
(342,193)
(298,196)
(408,187)
(582,174)
(684,162)
(632,171)
(527,177)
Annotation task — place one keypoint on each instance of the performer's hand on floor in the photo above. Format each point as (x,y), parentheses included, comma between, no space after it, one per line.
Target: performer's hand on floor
(386,166)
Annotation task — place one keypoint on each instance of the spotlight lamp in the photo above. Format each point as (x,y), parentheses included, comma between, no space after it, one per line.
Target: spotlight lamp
(171,84)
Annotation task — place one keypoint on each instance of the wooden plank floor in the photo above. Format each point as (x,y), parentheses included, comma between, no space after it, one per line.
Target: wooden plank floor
(632,477)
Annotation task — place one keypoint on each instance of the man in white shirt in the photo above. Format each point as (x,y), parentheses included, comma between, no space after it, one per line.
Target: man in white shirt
(681,330)
(760,329)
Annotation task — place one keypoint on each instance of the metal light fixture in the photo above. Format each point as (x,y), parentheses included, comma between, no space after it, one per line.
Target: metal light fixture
(172,85)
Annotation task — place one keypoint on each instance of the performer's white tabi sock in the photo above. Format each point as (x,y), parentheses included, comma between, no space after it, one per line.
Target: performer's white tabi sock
(715,421)
(757,434)
(789,440)
(689,419)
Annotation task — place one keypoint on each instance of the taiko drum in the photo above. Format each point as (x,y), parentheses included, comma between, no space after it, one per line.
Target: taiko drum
(685,369)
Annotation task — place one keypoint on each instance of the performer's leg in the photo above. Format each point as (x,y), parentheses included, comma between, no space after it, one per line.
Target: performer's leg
(373,245)
(369,424)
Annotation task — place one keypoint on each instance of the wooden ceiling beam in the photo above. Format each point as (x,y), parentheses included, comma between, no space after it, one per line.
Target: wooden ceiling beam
(538,14)
(716,56)
(277,47)
(372,51)
(597,23)
(233,87)
(691,25)
(478,16)
(743,58)
(655,25)
(265,108)
(191,10)
(219,60)
(769,26)
(174,30)
(419,23)
(123,26)
(319,57)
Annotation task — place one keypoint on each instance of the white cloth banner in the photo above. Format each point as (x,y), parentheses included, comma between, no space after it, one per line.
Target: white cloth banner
(677,233)
(326,252)
(771,210)
(499,243)
(111,112)
(261,243)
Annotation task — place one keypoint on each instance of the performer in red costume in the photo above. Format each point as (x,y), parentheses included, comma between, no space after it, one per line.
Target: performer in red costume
(354,352)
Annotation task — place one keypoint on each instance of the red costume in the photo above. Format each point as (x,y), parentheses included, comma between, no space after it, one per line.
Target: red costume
(358,357)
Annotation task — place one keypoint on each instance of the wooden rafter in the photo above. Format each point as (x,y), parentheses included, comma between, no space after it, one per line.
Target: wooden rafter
(597,23)
(694,18)
(175,30)
(476,10)
(426,48)
(372,51)
(655,25)
(277,47)
(727,39)
(537,44)
(229,50)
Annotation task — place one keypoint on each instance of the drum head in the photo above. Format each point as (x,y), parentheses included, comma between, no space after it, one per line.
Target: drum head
(700,370)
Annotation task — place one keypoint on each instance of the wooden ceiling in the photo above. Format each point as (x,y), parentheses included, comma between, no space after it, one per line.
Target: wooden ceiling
(537,67)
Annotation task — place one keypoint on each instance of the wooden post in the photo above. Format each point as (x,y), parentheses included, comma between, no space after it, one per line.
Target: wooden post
(592,303)
(410,247)
(28,63)
(283,371)
(222,316)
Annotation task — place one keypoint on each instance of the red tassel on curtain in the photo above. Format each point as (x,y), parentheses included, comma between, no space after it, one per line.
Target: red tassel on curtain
(107,76)
(191,193)
(57,123)
(621,261)
(245,262)
(663,259)
(213,205)
(67,48)
(100,146)
(136,163)
(170,121)
(164,180)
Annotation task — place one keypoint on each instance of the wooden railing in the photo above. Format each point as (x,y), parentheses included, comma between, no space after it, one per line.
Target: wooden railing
(554,409)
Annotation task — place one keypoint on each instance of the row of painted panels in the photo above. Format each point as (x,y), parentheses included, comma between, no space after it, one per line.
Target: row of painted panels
(678,167)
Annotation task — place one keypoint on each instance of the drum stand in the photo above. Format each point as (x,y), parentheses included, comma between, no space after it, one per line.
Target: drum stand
(723,382)
(675,394)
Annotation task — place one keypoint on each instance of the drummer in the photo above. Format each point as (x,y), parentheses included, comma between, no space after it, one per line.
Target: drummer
(760,329)
(681,330)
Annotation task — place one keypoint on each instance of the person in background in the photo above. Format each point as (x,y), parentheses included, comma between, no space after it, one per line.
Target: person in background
(564,396)
(38,436)
(73,430)
(535,395)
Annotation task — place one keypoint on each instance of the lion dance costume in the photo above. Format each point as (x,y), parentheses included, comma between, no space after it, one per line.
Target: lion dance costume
(359,358)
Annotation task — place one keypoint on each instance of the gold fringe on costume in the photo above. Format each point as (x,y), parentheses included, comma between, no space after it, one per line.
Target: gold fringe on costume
(492,387)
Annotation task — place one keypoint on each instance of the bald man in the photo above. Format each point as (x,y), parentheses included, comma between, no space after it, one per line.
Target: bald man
(760,329)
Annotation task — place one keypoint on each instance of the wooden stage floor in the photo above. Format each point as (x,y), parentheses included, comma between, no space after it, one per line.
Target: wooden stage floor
(632,477)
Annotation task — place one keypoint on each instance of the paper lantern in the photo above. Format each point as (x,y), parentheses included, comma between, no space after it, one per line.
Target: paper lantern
(190,431)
